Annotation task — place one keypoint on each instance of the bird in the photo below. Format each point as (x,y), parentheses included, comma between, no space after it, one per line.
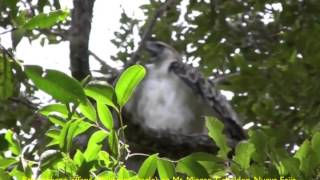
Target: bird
(174,97)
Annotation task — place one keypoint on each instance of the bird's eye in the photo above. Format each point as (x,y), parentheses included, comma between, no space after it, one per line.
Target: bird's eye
(160,46)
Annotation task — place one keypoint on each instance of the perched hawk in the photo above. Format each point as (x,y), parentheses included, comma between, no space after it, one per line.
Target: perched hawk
(174,97)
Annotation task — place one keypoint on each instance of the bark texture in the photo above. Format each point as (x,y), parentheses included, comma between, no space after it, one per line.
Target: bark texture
(79,38)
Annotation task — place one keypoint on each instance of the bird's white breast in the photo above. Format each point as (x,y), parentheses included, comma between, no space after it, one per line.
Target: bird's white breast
(165,102)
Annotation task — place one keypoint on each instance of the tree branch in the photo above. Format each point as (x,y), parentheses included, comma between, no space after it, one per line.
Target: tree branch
(104,65)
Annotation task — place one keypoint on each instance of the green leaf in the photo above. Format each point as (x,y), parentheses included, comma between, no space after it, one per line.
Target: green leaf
(303,151)
(82,127)
(88,110)
(56,120)
(123,173)
(6,162)
(306,157)
(91,152)
(47,174)
(106,175)
(18,173)
(202,156)
(105,157)
(17,35)
(192,168)
(53,133)
(13,144)
(63,135)
(211,163)
(71,133)
(61,109)
(128,82)
(101,93)
(113,142)
(6,79)
(78,158)
(291,166)
(149,166)
(4,175)
(105,115)
(44,20)
(258,138)
(315,143)
(215,128)
(49,158)
(166,169)
(244,151)
(57,84)
(94,147)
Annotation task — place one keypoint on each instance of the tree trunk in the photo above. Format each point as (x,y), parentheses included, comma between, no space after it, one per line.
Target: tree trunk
(79,38)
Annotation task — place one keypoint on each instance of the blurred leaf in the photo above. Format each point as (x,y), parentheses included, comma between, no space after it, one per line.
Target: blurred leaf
(244,151)
(215,128)
(128,82)
(13,144)
(291,166)
(148,168)
(57,84)
(123,173)
(6,79)
(78,158)
(54,108)
(71,133)
(202,156)
(49,158)
(113,143)
(106,175)
(166,169)
(63,135)
(4,145)
(82,127)
(16,37)
(306,157)
(44,20)
(315,143)
(4,175)
(210,162)
(192,168)
(56,120)
(105,157)
(258,138)
(6,162)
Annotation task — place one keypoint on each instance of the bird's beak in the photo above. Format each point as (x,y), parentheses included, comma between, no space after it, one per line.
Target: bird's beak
(152,48)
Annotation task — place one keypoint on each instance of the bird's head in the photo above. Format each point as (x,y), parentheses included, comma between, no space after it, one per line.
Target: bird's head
(161,51)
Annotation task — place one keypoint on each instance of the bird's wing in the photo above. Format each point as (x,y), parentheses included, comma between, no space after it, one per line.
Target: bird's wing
(200,85)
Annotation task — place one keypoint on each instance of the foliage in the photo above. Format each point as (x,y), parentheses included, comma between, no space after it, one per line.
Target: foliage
(256,157)
(31,20)
(264,52)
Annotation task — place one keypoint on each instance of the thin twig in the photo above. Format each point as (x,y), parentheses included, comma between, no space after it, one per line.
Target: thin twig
(103,63)
(8,53)
(147,31)
(24,102)
(7,31)
(223,77)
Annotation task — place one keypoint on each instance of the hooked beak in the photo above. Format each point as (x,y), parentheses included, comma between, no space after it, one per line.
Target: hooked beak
(152,48)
